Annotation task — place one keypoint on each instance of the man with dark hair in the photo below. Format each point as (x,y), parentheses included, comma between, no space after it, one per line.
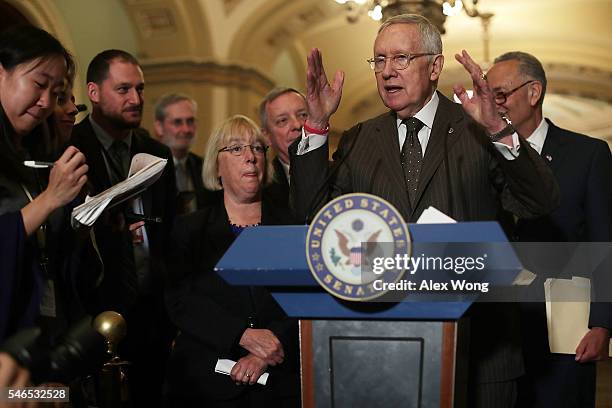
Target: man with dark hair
(133,281)
(282,113)
(582,166)
(176,126)
(98,68)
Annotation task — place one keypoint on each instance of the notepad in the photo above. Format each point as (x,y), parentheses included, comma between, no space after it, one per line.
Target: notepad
(145,169)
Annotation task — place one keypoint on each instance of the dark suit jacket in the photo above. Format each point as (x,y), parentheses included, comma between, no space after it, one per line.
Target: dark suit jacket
(278,190)
(20,281)
(115,246)
(212,315)
(463,175)
(582,166)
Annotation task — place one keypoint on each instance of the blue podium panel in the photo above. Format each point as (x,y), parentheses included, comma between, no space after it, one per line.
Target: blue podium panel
(268,256)
(322,305)
(274,256)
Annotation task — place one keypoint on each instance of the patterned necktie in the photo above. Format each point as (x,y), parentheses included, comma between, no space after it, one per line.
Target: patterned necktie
(411,156)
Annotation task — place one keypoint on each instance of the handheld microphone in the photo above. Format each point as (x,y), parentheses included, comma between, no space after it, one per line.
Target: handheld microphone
(321,191)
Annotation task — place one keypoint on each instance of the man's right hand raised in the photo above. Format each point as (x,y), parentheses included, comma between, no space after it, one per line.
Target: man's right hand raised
(263,344)
(321,97)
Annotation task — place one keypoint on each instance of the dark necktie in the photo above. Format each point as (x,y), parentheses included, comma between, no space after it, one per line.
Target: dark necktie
(412,156)
(181,177)
(120,156)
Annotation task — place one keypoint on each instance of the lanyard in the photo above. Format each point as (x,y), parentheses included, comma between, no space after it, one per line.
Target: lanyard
(41,237)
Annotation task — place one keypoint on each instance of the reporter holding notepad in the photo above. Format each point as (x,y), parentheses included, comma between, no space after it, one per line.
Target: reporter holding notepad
(33,65)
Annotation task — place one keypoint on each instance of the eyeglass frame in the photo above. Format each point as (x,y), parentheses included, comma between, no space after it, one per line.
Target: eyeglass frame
(243,149)
(410,56)
(498,95)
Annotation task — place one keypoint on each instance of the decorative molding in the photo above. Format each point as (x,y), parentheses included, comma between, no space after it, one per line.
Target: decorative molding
(296,24)
(156,21)
(211,72)
(579,80)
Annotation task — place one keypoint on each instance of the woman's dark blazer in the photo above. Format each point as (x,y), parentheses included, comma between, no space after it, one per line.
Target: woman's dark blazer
(19,290)
(212,315)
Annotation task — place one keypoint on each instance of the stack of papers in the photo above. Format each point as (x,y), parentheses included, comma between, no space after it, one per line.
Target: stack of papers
(567,313)
(145,169)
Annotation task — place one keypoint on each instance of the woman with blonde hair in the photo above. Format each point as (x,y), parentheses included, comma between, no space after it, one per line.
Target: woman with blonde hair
(217,320)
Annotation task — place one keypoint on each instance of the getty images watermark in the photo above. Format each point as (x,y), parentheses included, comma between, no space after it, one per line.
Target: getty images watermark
(411,265)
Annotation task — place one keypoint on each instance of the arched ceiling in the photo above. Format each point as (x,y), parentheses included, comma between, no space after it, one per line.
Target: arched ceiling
(571,37)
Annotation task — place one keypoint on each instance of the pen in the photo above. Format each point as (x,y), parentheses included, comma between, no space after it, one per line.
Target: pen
(38,164)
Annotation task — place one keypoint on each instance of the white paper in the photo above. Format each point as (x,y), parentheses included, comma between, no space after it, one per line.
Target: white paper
(567,313)
(524,278)
(224,366)
(145,169)
(432,215)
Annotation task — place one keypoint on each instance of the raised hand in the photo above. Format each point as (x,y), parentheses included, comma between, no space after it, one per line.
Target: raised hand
(263,344)
(481,106)
(321,97)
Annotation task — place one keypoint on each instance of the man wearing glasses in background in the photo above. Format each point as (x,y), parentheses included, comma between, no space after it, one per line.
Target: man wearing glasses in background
(583,167)
(428,151)
(176,127)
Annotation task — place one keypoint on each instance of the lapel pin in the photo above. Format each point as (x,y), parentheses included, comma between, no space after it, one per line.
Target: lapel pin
(450,130)
(548,157)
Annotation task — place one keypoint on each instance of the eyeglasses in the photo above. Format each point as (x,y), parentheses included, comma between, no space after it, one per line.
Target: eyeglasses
(183,121)
(238,150)
(501,97)
(398,61)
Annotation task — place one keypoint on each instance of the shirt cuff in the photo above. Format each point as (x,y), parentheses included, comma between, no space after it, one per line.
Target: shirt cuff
(509,153)
(310,142)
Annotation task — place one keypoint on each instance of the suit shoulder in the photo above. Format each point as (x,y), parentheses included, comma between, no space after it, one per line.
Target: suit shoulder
(367,127)
(375,121)
(579,140)
(151,145)
(189,225)
(195,157)
(81,130)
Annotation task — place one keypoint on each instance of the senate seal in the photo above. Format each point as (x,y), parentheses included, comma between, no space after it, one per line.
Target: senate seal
(345,237)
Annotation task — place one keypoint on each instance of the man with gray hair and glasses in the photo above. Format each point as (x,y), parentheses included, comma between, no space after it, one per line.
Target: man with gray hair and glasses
(176,127)
(582,166)
(428,151)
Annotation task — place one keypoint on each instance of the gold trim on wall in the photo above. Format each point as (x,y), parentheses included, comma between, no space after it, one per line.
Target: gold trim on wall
(210,72)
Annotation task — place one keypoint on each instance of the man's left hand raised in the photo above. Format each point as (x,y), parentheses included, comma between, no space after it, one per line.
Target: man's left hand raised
(322,97)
